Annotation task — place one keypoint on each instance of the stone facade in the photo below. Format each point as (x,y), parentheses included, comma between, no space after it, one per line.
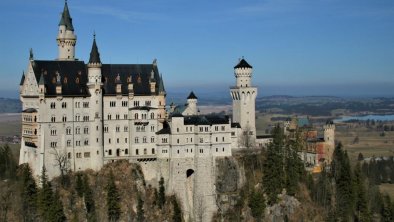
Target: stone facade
(97,113)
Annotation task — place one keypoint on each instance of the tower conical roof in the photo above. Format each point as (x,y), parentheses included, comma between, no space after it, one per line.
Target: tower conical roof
(66,19)
(243,64)
(192,96)
(94,53)
(161,85)
(42,80)
(22,79)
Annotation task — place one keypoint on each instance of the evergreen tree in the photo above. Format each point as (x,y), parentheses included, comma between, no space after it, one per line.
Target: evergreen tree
(8,164)
(45,197)
(386,210)
(140,210)
(257,204)
(273,168)
(79,184)
(28,194)
(113,198)
(57,213)
(361,206)
(294,167)
(177,217)
(322,191)
(89,201)
(344,185)
(162,195)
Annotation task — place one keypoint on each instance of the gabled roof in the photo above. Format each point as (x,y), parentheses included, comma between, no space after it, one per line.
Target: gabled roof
(165,130)
(22,79)
(206,120)
(242,64)
(29,110)
(192,96)
(66,19)
(94,53)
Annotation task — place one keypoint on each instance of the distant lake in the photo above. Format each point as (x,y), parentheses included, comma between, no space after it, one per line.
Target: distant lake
(367,117)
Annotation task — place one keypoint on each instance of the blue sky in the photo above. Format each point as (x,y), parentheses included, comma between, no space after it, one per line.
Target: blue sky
(318,47)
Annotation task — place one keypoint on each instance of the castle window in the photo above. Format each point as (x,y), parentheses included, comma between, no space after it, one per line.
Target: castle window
(152,128)
(126,151)
(112,103)
(125,103)
(109,152)
(201,151)
(126,129)
(117,140)
(136,103)
(177,151)
(145,151)
(216,128)
(223,149)
(144,139)
(86,142)
(77,130)
(85,105)
(153,150)
(105,129)
(96,128)
(136,140)
(223,128)
(79,155)
(77,143)
(216,149)
(136,116)
(152,115)
(125,140)
(187,129)
(201,140)
(86,154)
(206,129)
(222,139)
(152,139)
(53,132)
(191,140)
(117,128)
(53,105)
(147,103)
(68,131)
(177,129)
(232,133)
(177,141)
(125,116)
(64,118)
(53,119)
(117,116)
(86,130)
(136,152)
(109,140)
(109,117)
(69,155)
(201,129)
(117,152)
(216,139)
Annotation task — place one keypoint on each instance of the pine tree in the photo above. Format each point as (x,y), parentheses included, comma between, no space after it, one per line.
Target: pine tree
(89,201)
(79,184)
(45,197)
(322,191)
(162,195)
(113,198)
(57,213)
(140,210)
(8,164)
(361,206)
(273,168)
(28,194)
(386,211)
(257,204)
(177,217)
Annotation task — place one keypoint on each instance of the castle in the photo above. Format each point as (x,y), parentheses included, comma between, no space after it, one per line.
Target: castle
(87,115)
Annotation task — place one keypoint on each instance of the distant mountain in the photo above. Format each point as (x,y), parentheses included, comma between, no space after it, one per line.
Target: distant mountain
(10,105)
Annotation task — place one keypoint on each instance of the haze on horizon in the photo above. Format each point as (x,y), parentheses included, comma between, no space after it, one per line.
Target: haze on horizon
(297,47)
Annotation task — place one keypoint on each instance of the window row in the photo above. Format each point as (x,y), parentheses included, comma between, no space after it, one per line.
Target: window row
(145,151)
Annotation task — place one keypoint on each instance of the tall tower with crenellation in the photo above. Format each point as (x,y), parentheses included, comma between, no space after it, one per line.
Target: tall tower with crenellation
(329,139)
(244,95)
(66,39)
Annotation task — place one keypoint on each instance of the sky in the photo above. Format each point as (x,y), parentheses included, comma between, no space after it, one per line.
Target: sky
(296,47)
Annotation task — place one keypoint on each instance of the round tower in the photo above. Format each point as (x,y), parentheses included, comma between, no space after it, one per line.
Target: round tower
(192,104)
(329,139)
(66,39)
(244,97)
(96,108)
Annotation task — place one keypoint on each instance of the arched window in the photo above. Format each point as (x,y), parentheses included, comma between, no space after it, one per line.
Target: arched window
(136,116)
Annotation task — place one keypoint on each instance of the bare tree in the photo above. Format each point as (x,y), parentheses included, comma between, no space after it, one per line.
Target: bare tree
(246,139)
(62,162)
(5,201)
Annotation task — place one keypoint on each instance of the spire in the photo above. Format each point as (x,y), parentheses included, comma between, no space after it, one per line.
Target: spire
(242,64)
(161,85)
(192,96)
(42,80)
(66,19)
(31,56)
(22,79)
(94,53)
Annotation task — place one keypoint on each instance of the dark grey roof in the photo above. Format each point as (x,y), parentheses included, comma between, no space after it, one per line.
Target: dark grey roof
(235,125)
(206,120)
(243,64)
(94,53)
(142,108)
(29,110)
(192,96)
(176,114)
(22,79)
(73,76)
(329,122)
(66,19)
(140,75)
(268,136)
(165,130)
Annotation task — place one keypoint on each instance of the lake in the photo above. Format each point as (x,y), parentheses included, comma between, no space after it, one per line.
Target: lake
(367,117)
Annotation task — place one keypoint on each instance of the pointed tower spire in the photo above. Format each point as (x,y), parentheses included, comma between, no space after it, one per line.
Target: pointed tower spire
(66,19)
(42,80)
(31,56)
(161,85)
(94,53)
(23,78)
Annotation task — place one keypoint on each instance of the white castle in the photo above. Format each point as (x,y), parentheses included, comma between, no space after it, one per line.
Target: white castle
(97,113)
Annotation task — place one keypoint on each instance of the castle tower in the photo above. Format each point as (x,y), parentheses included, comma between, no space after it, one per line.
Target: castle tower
(191,108)
(66,39)
(329,139)
(96,108)
(244,97)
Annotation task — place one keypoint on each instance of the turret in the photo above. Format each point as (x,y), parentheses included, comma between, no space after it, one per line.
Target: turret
(21,83)
(66,39)
(41,86)
(243,74)
(94,65)
(329,139)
